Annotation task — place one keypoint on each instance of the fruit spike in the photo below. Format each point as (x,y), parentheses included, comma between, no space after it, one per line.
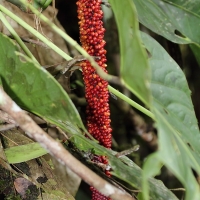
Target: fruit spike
(96,89)
(96,92)
(98,196)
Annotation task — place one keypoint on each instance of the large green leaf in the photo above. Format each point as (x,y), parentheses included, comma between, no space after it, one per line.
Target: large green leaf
(134,66)
(35,90)
(122,168)
(164,17)
(179,135)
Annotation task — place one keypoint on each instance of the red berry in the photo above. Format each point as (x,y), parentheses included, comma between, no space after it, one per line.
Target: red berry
(96,91)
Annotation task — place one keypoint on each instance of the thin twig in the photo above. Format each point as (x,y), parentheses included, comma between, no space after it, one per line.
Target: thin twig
(31,41)
(4,117)
(62,132)
(9,139)
(58,151)
(127,151)
(178,189)
(7,127)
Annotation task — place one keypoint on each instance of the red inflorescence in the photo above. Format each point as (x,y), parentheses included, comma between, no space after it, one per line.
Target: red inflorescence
(98,196)
(91,36)
(96,91)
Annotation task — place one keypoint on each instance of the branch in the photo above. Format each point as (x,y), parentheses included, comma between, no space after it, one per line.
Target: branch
(31,41)
(7,127)
(57,150)
(6,118)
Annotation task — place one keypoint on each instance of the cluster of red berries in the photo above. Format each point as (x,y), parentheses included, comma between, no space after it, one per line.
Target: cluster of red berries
(96,91)
(98,196)
(91,37)
(102,160)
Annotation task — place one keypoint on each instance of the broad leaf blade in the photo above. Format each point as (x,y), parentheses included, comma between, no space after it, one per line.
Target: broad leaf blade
(122,168)
(35,90)
(179,135)
(164,17)
(170,90)
(134,66)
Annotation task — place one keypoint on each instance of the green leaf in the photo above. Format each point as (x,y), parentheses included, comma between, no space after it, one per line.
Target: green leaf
(24,153)
(151,160)
(171,93)
(176,155)
(122,168)
(35,90)
(134,66)
(164,17)
(179,135)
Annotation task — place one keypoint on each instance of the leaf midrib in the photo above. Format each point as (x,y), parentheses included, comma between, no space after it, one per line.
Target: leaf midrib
(182,8)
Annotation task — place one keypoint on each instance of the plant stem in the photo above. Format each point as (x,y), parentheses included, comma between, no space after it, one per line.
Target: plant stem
(17,38)
(34,32)
(57,150)
(67,57)
(131,102)
(66,37)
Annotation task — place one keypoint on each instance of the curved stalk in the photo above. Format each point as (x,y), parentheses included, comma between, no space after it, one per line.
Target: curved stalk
(34,32)
(131,102)
(16,37)
(67,57)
